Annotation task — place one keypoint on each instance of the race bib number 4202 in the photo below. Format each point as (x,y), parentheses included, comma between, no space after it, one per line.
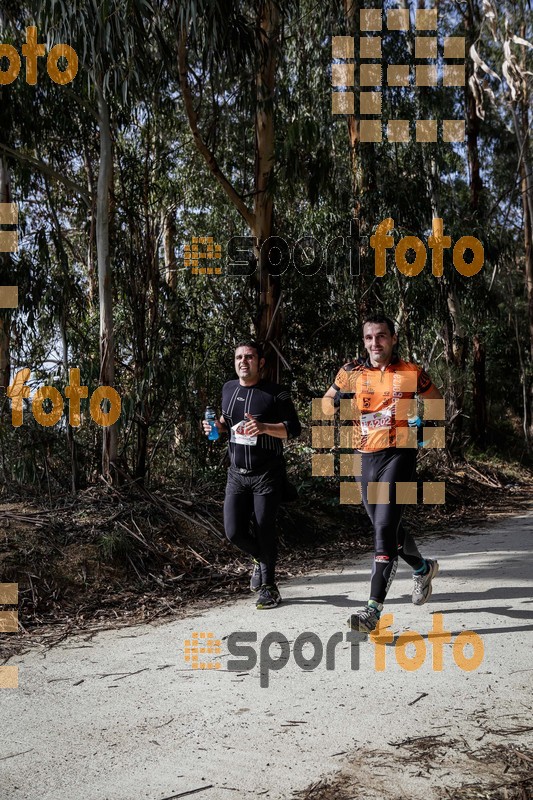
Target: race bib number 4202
(375,420)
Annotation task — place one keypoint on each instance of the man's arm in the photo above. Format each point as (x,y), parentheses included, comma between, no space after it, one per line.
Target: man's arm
(328,408)
(431,394)
(289,428)
(425,388)
(340,384)
(254,428)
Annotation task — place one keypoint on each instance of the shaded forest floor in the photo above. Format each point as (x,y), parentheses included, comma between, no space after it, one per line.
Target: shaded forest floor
(113,557)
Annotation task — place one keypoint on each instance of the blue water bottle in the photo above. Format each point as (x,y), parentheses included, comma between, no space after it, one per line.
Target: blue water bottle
(210,416)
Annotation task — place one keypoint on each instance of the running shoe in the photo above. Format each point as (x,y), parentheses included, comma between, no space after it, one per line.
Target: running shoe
(269,597)
(422,588)
(365,620)
(255,580)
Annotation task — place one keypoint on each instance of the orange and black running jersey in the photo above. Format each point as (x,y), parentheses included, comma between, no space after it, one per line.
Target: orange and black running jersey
(380,401)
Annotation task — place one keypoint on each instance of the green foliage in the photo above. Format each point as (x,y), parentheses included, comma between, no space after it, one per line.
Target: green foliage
(174,335)
(115,545)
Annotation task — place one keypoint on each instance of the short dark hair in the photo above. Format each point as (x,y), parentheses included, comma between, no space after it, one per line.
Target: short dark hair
(380,319)
(254,345)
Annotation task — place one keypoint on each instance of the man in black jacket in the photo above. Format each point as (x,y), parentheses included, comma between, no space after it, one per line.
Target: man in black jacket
(258,415)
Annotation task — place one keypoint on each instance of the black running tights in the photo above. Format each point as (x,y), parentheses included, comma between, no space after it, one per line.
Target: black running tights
(259,496)
(390,538)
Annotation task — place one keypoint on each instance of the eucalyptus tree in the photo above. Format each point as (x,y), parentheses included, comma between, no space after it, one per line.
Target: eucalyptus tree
(234,48)
(503,59)
(109,39)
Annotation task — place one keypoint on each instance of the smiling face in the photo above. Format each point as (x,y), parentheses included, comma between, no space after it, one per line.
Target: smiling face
(378,343)
(247,365)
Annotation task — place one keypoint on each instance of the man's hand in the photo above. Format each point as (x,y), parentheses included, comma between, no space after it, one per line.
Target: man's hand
(253,427)
(221,428)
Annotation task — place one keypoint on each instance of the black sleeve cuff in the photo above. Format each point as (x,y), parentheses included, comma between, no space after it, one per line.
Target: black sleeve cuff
(293,429)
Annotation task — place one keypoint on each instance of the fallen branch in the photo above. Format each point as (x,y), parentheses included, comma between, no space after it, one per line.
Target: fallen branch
(424,694)
(186,794)
(13,755)
(415,739)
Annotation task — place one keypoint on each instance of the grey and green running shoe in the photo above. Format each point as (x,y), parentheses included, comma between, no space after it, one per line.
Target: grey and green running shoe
(422,583)
(269,597)
(365,620)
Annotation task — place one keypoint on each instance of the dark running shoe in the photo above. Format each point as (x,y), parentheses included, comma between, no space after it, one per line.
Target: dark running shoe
(365,620)
(269,597)
(255,580)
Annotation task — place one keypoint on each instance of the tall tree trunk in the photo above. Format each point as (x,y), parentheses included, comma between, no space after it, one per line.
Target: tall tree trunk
(351,15)
(71,442)
(91,211)
(479,395)
(169,248)
(268,321)
(107,344)
(63,315)
(472,120)
(5,260)
(455,355)
(528,252)
(454,335)
(520,113)
(363,175)
(402,319)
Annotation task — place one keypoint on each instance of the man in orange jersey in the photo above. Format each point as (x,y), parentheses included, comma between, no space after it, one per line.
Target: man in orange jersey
(385,441)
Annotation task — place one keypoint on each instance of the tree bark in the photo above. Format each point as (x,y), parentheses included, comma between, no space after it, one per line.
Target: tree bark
(201,146)
(472,120)
(91,212)
(107,344)
(351,15)
(454,336)
(71,442)
(479,395)
(5,316)
(520,111)
(455,354)
(267,323)
(169,249)
(268,320)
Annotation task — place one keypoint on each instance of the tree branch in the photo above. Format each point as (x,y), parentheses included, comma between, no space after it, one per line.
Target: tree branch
(207,154)
(47,170)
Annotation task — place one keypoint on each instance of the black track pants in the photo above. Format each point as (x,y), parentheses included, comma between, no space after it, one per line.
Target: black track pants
(259,496)
(390,538)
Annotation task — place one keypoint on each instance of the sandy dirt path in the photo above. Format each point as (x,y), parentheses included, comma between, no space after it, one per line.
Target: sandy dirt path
(121,715)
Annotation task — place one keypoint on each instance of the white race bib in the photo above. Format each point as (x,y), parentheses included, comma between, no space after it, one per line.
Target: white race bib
(375,420)
(240,437)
